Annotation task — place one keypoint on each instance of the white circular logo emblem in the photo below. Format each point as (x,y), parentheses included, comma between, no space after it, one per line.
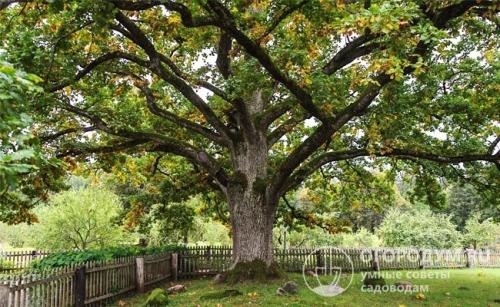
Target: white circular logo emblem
(328,271)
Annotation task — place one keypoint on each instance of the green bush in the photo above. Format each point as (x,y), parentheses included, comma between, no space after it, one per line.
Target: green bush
(6,264)
(480,234)
(81,218)
(157,298)
(418,228)
(62,259)
(361,238)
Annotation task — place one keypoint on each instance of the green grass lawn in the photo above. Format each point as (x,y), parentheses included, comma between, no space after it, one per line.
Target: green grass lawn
(464,287)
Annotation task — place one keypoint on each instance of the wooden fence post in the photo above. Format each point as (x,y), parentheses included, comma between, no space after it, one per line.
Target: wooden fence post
(469,261)
(174,266)
(420,259)
(4,295)
(375,262)
(80,287)
(319,261)
(139,273)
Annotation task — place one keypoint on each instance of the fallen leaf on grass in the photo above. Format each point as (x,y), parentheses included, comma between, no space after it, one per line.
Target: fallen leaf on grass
(252,294)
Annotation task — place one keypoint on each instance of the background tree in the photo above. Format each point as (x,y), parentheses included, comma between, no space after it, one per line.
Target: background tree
(15,236)
(79,219)
(464,201)
(479,233)
(418,228)
(258,96)
(172,223)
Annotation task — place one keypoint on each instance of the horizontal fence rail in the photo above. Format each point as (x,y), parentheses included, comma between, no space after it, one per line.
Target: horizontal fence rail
(99,283)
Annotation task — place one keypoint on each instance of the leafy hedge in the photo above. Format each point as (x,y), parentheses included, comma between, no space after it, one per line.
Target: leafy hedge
(62,259)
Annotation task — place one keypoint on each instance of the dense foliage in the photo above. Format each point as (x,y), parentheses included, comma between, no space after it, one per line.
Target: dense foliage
(22,166)
(418,228)
(481,233)
(465,201)
(314,237)
(79,219)
(62,259)
(255,99)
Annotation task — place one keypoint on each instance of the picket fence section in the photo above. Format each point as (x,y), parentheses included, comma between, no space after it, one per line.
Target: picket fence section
(91,284)
(199,261)
(20,259)
(104,281)
(45,288)
(98,283)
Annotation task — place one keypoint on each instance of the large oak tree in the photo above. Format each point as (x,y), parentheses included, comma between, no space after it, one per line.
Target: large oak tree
(260,95)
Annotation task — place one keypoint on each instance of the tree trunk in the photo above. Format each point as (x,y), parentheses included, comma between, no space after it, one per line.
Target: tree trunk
(251,210)
(252,229)
(252,222)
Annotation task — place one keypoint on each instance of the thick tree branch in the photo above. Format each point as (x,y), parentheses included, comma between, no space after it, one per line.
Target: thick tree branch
(94,64)
(223,61)
(175,69)
(140,38)
(441,17)
(52,137)
(101,149)
(227,22)
(358,48)
(197,157)
(273,112)
(99,124)
(341,61)
(493,145)
(161,143)
(350,52)
(403,154)
(325,131)
(182,122)
(284,128)
(186,16)
(322,134)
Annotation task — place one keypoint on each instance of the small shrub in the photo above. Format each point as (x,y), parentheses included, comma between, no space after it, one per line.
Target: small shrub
(157,298)
(6,264)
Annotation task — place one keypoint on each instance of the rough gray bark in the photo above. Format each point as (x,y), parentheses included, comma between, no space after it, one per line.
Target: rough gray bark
(252,214)
(252,224)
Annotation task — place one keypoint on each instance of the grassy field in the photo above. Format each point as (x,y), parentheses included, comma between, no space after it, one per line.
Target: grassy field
(459,287)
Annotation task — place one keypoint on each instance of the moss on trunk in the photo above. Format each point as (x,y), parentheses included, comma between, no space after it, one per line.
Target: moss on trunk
(255,270)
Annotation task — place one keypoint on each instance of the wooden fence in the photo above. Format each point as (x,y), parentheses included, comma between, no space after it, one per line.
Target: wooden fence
(98,283)
(200,261)
(91,284)
(21,259)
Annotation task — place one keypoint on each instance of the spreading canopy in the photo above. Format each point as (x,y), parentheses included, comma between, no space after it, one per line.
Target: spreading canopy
(311,83)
